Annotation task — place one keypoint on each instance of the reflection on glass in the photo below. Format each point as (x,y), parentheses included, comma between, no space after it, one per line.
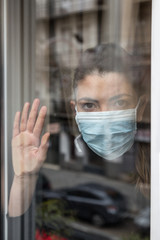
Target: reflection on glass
(103,174)
(93,74)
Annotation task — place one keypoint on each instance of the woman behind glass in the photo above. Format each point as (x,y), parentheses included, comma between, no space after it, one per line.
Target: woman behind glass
(108,103)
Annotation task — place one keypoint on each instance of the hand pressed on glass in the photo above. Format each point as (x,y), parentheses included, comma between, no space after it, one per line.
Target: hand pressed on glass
(28,152)
(28,155)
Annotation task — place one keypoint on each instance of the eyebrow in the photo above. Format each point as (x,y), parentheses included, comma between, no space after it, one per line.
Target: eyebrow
(88,99)
(111,99)
(119,96)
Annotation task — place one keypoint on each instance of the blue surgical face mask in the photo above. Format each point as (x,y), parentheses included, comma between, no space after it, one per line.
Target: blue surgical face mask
(109,134)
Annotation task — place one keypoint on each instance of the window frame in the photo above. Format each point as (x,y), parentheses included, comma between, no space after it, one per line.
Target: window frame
(155,120)
(155,108)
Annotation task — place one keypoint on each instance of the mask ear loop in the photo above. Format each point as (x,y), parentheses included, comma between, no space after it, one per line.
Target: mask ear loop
(77,138)
(77,143)
(136,108)
(76,109)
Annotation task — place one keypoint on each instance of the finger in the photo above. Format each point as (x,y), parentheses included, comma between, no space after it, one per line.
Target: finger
(33,115)
(40,121)
(16,124)
(43,147)
(24,116)
(44,140)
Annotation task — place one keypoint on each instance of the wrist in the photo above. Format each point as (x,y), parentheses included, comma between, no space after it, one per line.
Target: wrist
(25,178)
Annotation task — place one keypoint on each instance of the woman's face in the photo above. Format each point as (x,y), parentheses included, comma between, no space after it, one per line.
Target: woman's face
(108,92)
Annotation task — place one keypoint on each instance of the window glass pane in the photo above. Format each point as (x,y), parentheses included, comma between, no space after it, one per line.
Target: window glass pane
(88,62)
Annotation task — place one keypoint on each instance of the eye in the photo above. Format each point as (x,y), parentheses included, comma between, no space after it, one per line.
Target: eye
(89,106)
(121,104)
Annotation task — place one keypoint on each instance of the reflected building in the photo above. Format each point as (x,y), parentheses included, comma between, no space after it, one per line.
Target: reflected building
(65,28)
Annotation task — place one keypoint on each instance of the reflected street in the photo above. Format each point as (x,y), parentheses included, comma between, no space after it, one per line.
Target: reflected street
(67,179)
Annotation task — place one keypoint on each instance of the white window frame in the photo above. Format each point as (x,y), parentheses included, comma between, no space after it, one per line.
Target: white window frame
(155,122)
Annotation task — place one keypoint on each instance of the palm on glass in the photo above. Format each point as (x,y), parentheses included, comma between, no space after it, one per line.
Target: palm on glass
(28,151)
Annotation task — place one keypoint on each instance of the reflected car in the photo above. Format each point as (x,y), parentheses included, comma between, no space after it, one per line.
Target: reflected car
(91,201)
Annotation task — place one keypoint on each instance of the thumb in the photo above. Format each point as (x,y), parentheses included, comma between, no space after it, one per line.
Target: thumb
(42,152)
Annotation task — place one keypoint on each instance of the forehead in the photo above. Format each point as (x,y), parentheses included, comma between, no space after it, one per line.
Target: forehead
(104,85)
